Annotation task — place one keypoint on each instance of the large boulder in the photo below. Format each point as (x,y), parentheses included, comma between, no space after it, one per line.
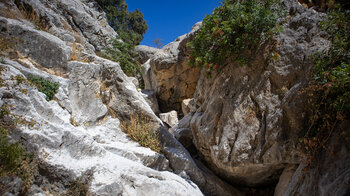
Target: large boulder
(248,118)
(169,75)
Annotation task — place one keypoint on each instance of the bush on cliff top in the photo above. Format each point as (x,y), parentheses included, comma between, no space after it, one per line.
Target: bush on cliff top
(130,27)
(234,29)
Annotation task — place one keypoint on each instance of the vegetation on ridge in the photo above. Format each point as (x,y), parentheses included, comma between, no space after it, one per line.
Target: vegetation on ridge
(235,28)
(130,27)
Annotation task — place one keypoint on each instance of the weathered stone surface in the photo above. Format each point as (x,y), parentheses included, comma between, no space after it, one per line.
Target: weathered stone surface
(170,118)
(79,130)
(284,179)
(84,92)
(249,117)
(183,133)
(99,147)
(37,45)
(329,174)
(150,97)
(182,163)
(10,186)
(80,22)
(188,106)
(169,75)
(134,81)
(146,75)
(145,52)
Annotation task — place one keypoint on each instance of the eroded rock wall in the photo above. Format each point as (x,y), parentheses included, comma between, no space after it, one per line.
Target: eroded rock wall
(248,118)
(78,132)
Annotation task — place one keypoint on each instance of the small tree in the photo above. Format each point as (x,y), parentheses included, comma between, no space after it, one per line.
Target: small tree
(158,42)
(129,25)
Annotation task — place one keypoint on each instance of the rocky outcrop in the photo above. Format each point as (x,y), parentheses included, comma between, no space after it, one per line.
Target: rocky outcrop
(77,21)
(77,134)
(145,52)
(248,118)
(169,75)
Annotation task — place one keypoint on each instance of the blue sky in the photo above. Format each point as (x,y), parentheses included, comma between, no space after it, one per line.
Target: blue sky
(168,19)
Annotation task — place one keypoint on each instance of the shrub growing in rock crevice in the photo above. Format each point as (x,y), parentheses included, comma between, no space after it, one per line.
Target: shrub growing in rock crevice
(140,130)
(234,29)
(329,92)
(125,54)
(15,160)
(130,27)
(45,86)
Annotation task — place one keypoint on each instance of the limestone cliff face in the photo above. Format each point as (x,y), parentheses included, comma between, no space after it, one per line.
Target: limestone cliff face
(78,132)
(247,127)
(248,119)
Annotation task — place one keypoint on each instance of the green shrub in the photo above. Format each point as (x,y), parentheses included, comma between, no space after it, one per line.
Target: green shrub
(15,160)
(329,92)
(140,130)
(11,154)
(2,60)
(234,29)
(125,54)
(129,25)
(47,87)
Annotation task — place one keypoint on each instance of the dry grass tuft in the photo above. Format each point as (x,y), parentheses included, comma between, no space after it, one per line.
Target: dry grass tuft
(140,130)
(76,52)
(33,17)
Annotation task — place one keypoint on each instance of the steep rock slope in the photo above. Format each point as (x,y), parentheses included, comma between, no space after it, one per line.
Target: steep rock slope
(78,132)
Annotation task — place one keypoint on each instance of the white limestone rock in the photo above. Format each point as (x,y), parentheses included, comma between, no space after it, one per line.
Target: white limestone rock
(117,164)
(170,118)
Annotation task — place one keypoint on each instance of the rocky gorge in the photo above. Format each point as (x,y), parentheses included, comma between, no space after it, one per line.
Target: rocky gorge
(238,131)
